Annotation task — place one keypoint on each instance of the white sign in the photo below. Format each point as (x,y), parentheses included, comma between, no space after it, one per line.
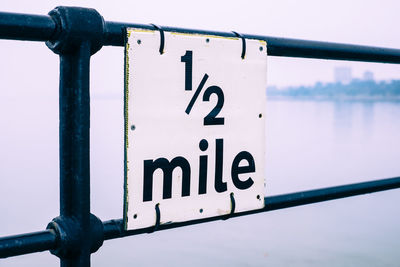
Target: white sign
(195,127)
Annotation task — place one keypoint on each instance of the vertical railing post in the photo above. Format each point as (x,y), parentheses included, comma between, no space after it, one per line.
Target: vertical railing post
(80,233)
(74,146)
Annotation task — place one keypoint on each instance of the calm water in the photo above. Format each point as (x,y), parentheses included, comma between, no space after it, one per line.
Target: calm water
(309,145)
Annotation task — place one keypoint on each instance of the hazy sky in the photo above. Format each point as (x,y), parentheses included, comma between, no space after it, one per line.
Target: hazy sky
(368,22)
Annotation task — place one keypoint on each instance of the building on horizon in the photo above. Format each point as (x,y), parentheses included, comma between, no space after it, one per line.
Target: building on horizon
(368,76)
(342,75)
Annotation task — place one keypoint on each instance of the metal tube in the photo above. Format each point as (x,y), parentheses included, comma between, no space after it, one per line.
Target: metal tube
(115,228)
(27,243)
(26,27)
(74,147)
(330,193)
(43,28)
(44,240)
(283,47)
(326,50)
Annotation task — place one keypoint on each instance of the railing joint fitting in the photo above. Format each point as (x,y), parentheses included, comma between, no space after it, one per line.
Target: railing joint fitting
(75,25)
(71,239)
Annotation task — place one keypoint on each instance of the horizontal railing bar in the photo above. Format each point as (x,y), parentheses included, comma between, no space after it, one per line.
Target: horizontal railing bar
(43,28)
(330,193)
(27,243)
(283,47)
(115,228)
(26,27)
(46,240)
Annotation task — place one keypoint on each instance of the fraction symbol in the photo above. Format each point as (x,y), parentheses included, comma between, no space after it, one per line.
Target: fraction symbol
(211,118)
(196,94)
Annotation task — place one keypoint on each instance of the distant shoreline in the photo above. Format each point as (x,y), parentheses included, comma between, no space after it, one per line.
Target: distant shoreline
(359,98)
(356,90)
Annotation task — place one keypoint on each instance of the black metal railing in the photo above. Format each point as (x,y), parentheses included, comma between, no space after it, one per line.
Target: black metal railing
(75,34)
